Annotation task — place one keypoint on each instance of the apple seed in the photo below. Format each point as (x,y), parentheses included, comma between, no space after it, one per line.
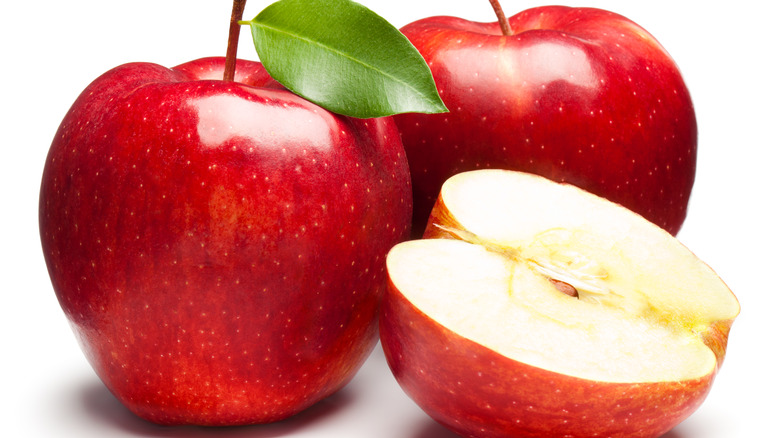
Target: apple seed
(565,288)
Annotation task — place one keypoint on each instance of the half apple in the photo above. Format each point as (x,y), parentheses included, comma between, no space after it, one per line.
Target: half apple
(536,309)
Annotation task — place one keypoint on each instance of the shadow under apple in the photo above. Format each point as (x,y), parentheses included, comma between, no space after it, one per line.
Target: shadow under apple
(432,429)
(99,406)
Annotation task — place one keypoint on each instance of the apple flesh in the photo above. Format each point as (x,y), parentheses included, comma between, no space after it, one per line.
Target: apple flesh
(535,308)
(219,247)
(578,95)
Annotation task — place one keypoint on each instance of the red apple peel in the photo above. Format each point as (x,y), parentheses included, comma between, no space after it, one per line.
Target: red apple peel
(480,329)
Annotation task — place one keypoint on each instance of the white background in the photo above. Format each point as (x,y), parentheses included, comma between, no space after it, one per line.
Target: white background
(728,55)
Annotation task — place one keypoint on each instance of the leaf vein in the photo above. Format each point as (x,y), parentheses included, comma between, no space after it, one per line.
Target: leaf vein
(345,55)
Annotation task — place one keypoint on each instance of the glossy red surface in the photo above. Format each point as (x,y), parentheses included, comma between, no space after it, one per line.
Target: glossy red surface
(578,95)
(477,392)
(219,247)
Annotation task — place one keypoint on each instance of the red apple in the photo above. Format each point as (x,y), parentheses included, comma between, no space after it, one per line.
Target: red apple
(218,246)
(537,309)
(577,95)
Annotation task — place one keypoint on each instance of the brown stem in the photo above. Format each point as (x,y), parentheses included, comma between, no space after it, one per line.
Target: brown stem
(506,29)
(232,49)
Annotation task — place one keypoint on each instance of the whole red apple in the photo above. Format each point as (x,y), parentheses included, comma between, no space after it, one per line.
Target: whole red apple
(219,246)
(577,95)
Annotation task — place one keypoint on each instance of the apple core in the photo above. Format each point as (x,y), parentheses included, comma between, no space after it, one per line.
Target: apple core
(523,289)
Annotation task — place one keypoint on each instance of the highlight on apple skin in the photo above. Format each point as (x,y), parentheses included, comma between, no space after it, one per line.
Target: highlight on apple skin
(218,247)
(533,308)
(578,95)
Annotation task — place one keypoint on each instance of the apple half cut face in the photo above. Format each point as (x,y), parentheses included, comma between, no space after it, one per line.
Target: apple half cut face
(534,308)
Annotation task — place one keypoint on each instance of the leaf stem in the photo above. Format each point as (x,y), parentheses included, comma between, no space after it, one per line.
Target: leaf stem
(235,31)
(506,29)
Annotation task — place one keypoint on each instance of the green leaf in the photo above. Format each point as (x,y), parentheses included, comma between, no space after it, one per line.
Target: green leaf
(344,57)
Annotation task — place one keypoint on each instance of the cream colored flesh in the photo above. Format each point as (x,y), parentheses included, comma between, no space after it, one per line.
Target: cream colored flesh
(644,299)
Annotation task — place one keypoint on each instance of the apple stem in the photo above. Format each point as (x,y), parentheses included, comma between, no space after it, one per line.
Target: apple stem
(235,31)
(506,29)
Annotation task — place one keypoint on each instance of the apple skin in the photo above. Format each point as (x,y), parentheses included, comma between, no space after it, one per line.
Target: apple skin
(578,95)
(476,392)
(218,247)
